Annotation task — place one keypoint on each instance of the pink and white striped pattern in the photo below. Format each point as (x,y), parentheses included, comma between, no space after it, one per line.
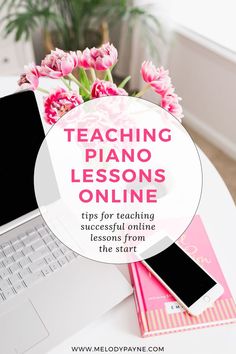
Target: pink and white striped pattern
(158,321)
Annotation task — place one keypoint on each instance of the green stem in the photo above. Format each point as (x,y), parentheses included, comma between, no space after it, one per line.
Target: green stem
(40,89)
(93,74)
(125,81)
(71,76)
(65,83)
(109,75)
(142,92)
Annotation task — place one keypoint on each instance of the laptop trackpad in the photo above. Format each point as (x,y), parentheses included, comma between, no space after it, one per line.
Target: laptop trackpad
(21,329)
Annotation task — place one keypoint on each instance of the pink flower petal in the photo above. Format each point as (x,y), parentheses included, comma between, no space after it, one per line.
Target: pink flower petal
(58,103)
(101,88)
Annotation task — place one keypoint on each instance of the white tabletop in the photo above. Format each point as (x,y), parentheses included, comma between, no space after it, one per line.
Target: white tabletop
(119,327)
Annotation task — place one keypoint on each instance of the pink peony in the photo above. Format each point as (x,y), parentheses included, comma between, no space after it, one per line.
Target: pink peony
(158,78)
(74,57)
(58,63)
(102,88)
(149,71)
(98,58)
(30,78)
(58,103)
(84,59)
(163,83)
(170,102)
(104,57)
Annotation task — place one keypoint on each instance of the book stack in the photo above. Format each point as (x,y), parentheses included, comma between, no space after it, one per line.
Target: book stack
(159,313)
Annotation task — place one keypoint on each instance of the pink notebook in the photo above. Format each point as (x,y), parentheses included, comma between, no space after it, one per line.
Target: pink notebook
(159,313)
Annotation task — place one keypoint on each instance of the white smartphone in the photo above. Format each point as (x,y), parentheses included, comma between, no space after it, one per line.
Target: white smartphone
(194,289)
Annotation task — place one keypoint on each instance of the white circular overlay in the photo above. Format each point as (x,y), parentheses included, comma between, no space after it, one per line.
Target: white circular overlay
(118,179)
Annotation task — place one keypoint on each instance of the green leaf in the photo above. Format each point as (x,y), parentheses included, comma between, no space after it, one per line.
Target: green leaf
(85,82)
(124,82)
(84,94)
(84,78)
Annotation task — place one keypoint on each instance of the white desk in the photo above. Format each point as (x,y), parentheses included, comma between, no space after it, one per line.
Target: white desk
(120,327)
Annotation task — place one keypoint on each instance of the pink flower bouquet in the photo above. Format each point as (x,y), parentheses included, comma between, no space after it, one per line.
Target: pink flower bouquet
(80,67)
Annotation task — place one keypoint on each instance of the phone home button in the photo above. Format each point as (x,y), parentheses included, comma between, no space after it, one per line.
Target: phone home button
(207,298)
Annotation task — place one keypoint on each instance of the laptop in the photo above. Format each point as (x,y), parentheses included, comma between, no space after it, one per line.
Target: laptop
(47,292)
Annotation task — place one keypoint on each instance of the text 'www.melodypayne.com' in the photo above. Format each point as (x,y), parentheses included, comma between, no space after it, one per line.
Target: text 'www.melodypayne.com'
(118,349)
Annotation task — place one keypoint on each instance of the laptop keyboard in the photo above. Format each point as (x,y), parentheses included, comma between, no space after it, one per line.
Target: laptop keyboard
(29,258)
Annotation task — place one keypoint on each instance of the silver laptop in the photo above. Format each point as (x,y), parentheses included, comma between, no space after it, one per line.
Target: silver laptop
(47,292)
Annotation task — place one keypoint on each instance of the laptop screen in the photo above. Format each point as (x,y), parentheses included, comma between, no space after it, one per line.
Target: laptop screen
(21,135)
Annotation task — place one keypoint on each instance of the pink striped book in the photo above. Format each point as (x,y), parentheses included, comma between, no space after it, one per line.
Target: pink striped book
(159,313)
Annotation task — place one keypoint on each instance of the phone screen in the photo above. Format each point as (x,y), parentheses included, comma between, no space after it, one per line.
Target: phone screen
(183,276)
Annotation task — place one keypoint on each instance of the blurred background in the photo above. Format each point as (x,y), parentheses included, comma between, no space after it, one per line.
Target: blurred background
(196,41)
